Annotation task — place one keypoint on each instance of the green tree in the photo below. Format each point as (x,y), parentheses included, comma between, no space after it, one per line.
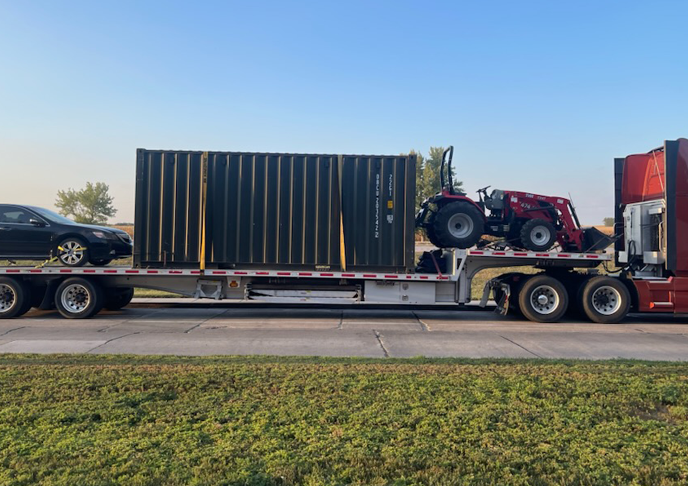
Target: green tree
(609,221)
(428,175)
(90,205)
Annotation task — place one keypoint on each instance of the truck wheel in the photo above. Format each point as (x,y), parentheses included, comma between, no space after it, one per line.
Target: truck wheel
(78,298)
(72,252)
(543,299)
(605,300)
(15,298)
(538,235)
(458,225)
(117,298)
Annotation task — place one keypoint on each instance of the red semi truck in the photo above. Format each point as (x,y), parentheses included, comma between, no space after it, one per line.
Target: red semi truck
(651,226)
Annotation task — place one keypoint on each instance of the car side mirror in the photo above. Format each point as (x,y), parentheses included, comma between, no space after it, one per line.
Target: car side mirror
(35,222)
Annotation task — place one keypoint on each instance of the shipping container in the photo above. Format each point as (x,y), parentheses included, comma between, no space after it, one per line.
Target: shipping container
(249,210)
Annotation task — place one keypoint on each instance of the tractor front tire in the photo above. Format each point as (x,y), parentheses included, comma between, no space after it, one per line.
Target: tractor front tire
(538,235)
(458,225)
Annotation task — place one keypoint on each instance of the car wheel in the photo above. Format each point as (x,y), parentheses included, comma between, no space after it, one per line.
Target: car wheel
(101,263)
(78,298)
(72,252)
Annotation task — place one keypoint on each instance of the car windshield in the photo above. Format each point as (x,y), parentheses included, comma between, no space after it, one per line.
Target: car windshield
(53,216)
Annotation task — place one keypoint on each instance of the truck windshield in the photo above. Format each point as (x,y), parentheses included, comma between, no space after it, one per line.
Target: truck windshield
(52,216)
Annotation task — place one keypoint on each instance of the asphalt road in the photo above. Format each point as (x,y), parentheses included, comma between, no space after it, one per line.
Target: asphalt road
(235,330)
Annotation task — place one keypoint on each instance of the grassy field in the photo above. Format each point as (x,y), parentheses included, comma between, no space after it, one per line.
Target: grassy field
(88,420)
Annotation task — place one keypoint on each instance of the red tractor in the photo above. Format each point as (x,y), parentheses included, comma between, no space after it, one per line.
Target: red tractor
(530,221)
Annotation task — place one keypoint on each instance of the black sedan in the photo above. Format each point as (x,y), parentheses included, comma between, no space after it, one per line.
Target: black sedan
(31,233)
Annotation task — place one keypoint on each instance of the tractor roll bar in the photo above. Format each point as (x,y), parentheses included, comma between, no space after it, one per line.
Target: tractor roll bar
(448,163)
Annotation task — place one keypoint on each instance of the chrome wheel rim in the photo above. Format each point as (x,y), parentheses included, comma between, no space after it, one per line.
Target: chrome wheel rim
(544,299)
(460,225)
(606,300)
(8,298)
(72,252)
(75,298)
(540,235)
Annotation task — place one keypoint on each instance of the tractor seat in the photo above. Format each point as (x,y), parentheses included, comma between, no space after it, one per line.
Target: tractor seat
(495,201)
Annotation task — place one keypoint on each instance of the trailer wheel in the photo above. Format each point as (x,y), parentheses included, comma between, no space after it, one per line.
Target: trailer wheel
(78,298)
(458,225)
(15,298)
(117,298)
(538,235)
(543,299)
(605,300)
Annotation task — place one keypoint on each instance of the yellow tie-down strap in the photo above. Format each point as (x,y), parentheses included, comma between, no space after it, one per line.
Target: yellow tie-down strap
(342,241)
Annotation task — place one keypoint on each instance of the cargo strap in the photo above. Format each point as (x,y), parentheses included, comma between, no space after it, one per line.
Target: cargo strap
(342,241)
(204,197)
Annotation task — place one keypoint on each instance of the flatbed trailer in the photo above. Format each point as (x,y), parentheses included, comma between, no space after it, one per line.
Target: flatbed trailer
(83,292)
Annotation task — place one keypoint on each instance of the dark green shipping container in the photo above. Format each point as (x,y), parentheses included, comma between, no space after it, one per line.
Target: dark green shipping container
(290,211)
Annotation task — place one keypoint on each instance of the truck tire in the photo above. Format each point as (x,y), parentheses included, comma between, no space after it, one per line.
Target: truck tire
(543,299)
(15,298)
(538,235)
(79,298)
(117,298)
(605,300)
(72,252)
(458,225)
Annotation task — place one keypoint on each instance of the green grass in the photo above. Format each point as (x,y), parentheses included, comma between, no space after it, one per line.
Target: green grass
(89,420)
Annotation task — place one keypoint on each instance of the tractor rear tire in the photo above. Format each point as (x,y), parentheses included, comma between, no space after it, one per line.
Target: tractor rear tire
(538,235)
(458,225)
(430,232)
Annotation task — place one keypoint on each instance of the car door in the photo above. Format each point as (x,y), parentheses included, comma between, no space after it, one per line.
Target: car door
(21,238)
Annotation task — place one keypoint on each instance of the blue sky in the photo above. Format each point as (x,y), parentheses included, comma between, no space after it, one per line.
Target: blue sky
(535,95)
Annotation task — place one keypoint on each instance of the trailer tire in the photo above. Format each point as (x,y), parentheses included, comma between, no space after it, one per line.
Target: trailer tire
(605,300)
(458,225)
(79,298)
(15,298)
(543,299)
(118,297)
(538,235)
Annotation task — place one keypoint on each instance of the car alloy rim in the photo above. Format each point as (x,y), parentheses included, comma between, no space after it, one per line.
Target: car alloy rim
(8,298)
(606,300)
(540,235)
(544,299)
(75,298)
(460,225)
(72,252)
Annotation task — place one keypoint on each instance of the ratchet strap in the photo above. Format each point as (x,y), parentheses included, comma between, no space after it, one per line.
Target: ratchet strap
(342,241)
(204,197)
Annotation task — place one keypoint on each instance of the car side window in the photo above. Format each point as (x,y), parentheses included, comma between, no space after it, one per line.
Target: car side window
(12,215)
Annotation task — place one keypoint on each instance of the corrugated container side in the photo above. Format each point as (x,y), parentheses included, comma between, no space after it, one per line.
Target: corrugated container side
(278,210)
(168,208)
